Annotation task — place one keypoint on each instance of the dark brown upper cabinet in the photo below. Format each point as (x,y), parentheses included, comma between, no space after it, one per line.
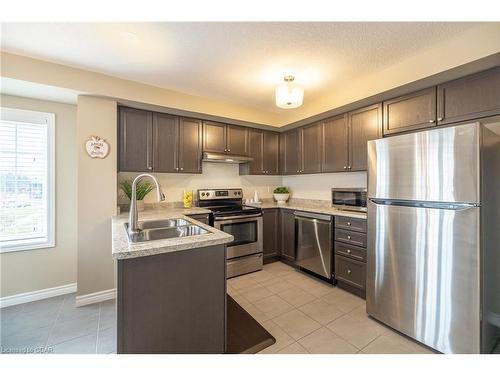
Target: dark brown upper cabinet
(158,142)
(214,137)
(165,143)
(271,153)
(311,148)
(255,150)
(263,147)
(365,124)
(410,112)
(290,144)
(135,133)
(335,153)
(224,138)
(237,140)
(190,145)
(468,98)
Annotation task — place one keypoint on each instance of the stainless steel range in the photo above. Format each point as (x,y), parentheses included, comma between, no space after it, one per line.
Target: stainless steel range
(244,254)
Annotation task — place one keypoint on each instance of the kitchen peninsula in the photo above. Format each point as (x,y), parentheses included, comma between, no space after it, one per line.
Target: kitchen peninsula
(171,293)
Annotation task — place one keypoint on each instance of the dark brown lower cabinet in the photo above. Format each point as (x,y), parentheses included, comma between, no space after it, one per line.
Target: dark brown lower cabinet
(350,254)
(271,235)
(173,303)
(287,234)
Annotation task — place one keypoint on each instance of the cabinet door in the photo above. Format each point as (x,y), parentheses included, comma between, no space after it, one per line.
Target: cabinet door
(410,112)
(287,234)
(255,151)
(282,147)
(165,145)
(270,218)
(190,136)
(271,153)
(292,152)
(335,156)
(237,140)
(364,125)
(311,145)
(470,98)
(214,137)
(135,140)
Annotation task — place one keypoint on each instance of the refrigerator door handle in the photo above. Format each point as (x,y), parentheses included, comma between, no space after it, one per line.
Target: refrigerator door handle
(424,204)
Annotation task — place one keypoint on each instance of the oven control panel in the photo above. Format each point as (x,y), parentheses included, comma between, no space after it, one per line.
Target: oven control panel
(209,194)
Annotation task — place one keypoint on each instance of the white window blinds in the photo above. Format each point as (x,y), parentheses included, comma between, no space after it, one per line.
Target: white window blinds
(26,180)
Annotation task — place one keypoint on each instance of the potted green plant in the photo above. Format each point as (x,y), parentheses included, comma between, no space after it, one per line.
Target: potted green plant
(281,194)
(143,189)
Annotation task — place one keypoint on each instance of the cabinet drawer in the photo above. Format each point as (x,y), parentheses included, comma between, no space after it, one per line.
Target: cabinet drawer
(350,223)
(350,271)
(353,238)
(350,251)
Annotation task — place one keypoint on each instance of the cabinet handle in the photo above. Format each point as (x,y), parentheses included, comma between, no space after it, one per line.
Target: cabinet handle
(345,167)
(225,150)
(176,169)
(440,119)
(348,251)
(348,237)
(182,169)
(431,121)
(150,168)
(349,223)
(349,167)
(228,150)
(349,272)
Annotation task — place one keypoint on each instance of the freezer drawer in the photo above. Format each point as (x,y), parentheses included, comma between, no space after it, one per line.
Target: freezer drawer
(423,274)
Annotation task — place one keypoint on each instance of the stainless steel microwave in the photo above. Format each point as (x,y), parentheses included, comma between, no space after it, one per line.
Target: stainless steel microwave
(351,199)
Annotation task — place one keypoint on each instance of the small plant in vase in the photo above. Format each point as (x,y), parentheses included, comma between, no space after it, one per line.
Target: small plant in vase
(143,188)
(281,194)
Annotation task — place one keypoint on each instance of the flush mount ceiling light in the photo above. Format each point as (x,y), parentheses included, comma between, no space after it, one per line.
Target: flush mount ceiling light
(288,95)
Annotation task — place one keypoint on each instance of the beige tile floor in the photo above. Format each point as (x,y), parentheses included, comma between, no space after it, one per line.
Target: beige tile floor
(306,315)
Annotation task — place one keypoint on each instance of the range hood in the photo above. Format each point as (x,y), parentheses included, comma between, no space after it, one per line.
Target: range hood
(216,157)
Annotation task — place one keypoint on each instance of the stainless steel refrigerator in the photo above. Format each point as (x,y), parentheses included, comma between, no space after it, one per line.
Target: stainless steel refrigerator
(433,254)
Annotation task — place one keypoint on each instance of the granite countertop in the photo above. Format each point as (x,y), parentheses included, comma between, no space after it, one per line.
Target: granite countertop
(318,207)
(122,249)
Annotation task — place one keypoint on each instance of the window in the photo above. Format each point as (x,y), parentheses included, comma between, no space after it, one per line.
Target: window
(27,185)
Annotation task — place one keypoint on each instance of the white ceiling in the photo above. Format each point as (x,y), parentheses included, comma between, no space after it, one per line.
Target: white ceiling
(235,62)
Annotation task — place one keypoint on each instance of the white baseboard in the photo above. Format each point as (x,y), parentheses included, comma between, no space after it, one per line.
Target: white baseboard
(96,297)
(37,295)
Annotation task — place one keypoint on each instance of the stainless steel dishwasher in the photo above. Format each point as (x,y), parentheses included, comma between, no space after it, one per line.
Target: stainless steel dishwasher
(314,245)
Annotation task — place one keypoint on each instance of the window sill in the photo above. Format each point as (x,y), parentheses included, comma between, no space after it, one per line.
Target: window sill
(26,246)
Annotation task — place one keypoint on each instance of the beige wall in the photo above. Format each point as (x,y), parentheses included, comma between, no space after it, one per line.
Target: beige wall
(30,270)
(319,186)
(96,195)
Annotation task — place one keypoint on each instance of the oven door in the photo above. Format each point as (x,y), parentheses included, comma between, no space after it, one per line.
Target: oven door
(247,233)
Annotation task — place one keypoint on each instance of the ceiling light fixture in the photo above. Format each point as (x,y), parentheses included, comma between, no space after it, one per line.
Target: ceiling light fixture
(288,95)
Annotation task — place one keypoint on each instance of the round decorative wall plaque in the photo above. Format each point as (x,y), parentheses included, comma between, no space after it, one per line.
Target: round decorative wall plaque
(97,147)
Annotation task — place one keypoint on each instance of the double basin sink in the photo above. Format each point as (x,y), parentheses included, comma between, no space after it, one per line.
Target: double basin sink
(151,230)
